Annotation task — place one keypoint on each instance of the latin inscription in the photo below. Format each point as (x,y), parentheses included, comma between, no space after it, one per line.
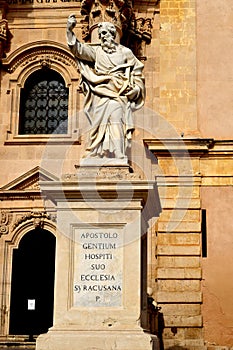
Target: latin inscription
(98,268)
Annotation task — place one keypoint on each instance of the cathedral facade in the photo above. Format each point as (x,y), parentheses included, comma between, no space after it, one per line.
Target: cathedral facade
(182,141)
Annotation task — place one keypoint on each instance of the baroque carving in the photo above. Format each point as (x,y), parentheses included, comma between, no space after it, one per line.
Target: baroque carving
(119,12)
(38,218)
(30,184)
(5,219)
(137,31)
(3,29)
(44,56)
(102,173)
(3,36)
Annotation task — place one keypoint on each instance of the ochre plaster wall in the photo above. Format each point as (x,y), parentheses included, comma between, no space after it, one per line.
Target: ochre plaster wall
(218,266)
(215,68)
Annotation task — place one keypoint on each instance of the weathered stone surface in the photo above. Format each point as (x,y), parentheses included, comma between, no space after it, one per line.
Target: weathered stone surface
(183,321)
(178,261)
(179,297)
(179,250)
(179,285)
(179,239)
(179,273)
(182,310)
(179,226)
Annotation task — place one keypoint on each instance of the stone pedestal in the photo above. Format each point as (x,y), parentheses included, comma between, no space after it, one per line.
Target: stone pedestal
(98,261)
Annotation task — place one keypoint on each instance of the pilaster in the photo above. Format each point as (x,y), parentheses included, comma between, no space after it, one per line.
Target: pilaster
(179,240)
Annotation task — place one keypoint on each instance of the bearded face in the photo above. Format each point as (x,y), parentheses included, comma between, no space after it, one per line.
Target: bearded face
(107,37)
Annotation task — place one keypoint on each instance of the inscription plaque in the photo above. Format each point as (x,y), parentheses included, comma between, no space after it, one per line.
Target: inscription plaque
(98,267)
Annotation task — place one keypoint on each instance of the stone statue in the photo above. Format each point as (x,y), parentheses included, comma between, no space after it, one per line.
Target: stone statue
(113,86)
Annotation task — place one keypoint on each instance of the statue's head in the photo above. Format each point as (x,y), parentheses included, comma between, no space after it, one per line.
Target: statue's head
(105,30)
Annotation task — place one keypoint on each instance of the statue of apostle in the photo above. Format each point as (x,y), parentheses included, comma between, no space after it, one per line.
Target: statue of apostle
(113,86)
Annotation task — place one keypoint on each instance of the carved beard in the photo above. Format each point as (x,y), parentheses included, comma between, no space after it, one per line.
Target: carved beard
(109,45)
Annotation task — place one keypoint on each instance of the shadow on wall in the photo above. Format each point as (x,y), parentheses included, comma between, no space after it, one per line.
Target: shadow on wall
(161,326)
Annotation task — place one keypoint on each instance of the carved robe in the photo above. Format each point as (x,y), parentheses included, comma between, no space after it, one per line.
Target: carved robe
(106,78)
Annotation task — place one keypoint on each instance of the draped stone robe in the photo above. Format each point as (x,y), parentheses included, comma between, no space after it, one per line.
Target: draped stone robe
(106,78)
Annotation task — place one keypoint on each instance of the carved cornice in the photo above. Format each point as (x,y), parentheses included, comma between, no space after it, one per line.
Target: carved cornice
(20,195)
(202,147)
(179,146)
(43,52)
(26,186)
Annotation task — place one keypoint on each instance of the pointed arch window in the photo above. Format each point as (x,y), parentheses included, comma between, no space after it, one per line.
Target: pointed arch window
(44,104)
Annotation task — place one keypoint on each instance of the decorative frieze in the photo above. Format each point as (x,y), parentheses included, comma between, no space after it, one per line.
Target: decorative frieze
(37,217)
(44,56)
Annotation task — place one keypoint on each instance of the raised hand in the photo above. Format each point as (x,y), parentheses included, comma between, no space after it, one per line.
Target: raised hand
(71,22)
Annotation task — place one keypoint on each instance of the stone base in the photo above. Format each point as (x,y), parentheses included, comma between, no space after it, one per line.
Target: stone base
(95,161)
(94,340)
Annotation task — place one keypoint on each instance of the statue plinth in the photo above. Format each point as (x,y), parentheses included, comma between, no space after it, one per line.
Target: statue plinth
(98,282)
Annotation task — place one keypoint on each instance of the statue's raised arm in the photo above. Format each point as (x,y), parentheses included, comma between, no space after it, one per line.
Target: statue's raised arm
(113,86)
(71,23)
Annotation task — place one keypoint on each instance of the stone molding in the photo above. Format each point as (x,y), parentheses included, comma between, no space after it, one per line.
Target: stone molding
(37,219)
(211,160)
(26,186)
(43,52)
(104,172)
(194,146)
(21,64)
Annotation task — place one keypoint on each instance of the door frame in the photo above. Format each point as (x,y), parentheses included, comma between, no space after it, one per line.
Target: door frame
(10,242)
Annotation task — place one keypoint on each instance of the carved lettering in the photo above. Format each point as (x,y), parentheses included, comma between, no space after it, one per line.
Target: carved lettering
(98,274)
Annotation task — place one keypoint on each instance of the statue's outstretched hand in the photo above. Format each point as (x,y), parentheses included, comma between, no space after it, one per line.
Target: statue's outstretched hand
(71,22)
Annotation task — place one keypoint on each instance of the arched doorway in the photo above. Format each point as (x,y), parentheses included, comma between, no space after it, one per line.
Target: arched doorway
(33,269)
